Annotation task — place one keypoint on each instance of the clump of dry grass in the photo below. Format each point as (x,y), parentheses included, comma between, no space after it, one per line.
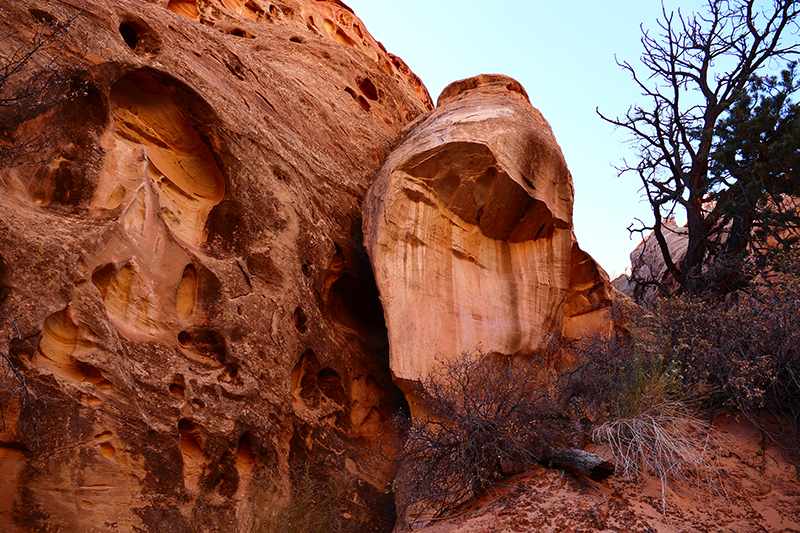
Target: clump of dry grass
(668,444)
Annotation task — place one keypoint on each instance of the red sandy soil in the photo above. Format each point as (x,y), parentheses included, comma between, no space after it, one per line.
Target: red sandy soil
(759,496)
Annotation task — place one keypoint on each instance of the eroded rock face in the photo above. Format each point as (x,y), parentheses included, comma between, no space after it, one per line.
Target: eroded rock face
(469,229)
(183,260)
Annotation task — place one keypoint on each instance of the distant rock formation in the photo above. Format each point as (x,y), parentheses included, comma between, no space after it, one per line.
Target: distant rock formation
(469,229)
(648,270)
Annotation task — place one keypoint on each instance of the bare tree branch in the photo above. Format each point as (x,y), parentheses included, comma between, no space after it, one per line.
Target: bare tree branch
(692,70)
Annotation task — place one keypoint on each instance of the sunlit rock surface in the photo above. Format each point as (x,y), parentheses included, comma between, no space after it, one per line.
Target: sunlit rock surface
(181,253)
(469,229)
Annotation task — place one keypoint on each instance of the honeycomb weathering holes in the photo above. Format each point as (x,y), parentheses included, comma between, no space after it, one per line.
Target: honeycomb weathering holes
(116,287)
(194,458)
(245,458)
(368,88)
(305,390)
(130,34)
(338,34)
(181,164)
(299,320)
(358,98)
(208,344)
(186,296)
(59,337)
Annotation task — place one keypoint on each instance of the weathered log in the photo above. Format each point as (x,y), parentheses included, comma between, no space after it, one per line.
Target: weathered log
(578,462)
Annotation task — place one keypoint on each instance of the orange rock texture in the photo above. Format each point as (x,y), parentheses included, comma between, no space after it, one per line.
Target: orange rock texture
(183,280)
(182,256)
(469,228)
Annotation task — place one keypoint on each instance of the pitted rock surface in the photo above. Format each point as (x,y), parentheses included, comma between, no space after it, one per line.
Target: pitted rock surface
(182,256)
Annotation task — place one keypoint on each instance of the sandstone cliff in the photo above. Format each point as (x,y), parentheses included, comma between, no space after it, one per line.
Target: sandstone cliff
(182,278)
(181,254)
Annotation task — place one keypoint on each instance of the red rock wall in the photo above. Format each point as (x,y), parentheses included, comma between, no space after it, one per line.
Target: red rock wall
(182,256)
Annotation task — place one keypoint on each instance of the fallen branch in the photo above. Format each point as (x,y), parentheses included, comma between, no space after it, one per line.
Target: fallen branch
(579,463)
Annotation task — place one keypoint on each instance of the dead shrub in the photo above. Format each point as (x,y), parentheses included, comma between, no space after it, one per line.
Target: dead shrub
(744,353)
(484,417)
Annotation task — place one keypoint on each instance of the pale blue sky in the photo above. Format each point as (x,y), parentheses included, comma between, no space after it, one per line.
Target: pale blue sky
(563,53)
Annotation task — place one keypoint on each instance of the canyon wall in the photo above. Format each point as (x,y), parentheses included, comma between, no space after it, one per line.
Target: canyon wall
(180,250)
(184,286)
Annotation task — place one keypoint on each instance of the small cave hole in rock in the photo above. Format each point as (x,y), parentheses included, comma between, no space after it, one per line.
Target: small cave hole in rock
(130,34)
(93,375)
(230,375)
(299,320)
(305,390)
(186,295)
(369,90)
(107,449)
(101,278)
(192,454)
(41,16)
(177,387)
(184,338)
(358,98)
(296,39)
(239,32)
(245,458)
(306,268)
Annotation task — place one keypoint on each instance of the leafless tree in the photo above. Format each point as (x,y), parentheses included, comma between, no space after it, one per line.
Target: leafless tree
(32,80)
(693,70)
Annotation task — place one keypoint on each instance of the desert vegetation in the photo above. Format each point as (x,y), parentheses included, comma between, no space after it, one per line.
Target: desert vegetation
(650,392)
(715,136)
(484,416)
